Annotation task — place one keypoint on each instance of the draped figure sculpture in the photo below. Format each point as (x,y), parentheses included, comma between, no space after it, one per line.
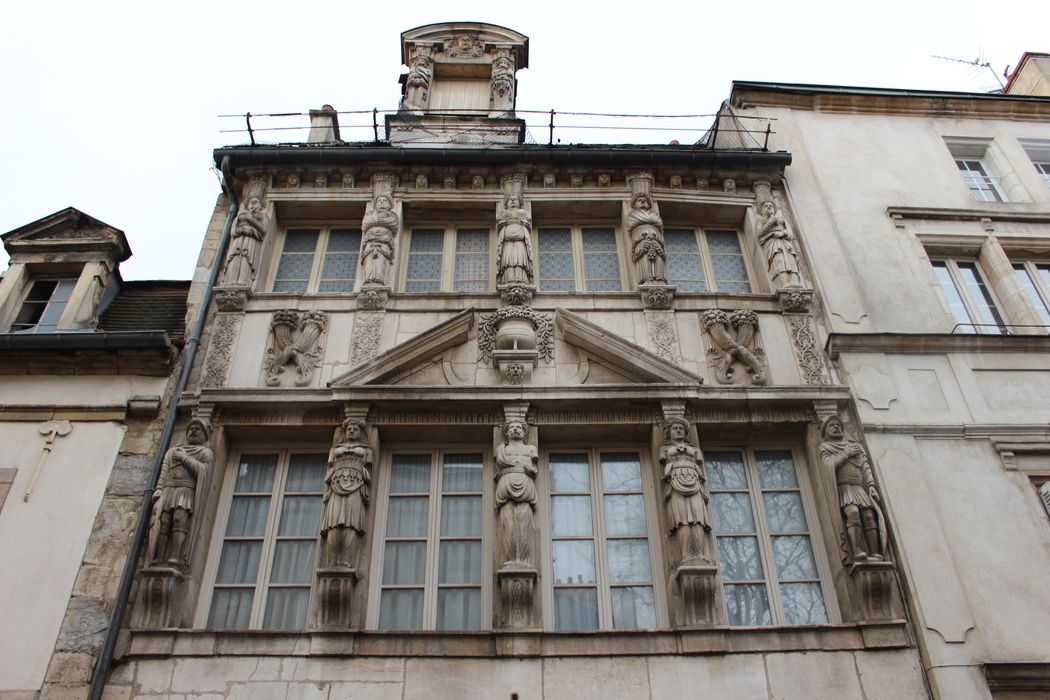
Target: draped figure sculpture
(858,497)
(516,496)
(346,496)
(647,241)
(380,226)
(249,231)
(685,494)
(514,246)
(178,501)
(778,246)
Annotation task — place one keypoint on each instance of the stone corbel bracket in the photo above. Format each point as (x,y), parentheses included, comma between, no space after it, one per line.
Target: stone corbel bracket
(734,340)
(513,339)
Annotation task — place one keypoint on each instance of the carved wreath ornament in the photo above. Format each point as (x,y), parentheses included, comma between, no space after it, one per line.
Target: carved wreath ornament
(734,339)
(295,339)
(541,322)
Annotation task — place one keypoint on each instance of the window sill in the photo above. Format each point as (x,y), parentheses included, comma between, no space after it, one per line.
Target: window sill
(145,643)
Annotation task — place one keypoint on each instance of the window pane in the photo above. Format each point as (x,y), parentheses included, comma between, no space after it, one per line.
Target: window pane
(404,562)
(684,265)
(739,558)
(601,264)
(569,473)
(472,261)
(556,267)
(407,516)
(576,609)
(425,252)
(725,470)
(401,610)
(633,607)
(571,515)
(248,516)
(624,514)
(33,306)
(255,474)
(803,604)
(621,471)
(459,609)
(461,473)
(573,561)
(459,562)
(776,470)
(461,516)
(955,302)
(340,260)
(732,512)
(231,608)
(1033,294)
(727,261)
(300,515)
(297,259)
(293,562)
(286,608)
(784,511)
(629,561)
(239,562)
(747,605)
(410,474)
(794,557)
(306,473)
(980,296)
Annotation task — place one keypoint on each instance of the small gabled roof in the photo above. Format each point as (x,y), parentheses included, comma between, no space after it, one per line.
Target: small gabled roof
(68,230)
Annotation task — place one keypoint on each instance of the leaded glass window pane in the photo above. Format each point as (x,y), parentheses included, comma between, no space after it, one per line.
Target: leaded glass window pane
(727,261)
(601,263)
(341,260)
(425,253)
(685,266)
(472,261)
(297,259)
(556,261)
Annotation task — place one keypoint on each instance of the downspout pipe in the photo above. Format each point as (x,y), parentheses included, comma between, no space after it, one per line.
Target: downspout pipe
(116,618)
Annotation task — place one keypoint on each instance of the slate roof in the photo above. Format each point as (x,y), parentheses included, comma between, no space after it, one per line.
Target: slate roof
(149,305)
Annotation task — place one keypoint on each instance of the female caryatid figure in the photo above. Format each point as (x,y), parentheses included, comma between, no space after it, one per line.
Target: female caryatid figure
(380,226)
(346,495)
(514,249)
(685,493)
(778,246)
(248,234)
(647,241)
(516,496)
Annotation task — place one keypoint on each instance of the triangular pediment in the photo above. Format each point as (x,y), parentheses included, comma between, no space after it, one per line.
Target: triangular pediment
(69,230)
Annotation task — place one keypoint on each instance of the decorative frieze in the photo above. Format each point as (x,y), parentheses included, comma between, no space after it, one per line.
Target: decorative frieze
(224,333)
(663,335)
(807,353)
(734,340)
(295,339)
(398,417)
(595,417)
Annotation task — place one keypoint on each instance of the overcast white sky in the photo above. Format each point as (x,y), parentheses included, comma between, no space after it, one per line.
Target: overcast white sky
(111,107)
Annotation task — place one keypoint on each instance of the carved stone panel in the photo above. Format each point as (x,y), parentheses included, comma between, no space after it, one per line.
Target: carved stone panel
(734,340)
(808,354)
(663,335)
(297,340)
(220,349)
(367,336)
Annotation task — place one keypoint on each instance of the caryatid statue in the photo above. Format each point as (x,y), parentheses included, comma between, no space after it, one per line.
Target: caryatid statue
(249,231)
(858,496)
(502,97)
(417,82)
(514,246)
(778,246)
(346,495)
(685,494)
(178,501)
(516,496)
(647,240)
(377,249)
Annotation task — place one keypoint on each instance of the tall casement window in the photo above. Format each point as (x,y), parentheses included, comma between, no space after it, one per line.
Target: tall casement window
(1039,151)
(322,259)
(706,260)
(1035,278)
(448,258)
(765,551)
(579,259)
(432,564)
(600,557)
(266,559)
(44,303)
(971,158)
(968,296)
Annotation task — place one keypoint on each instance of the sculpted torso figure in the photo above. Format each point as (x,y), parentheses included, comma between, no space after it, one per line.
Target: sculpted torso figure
(178,500)
(514,247)
(778,246)
(516,496)
(380,224)
(248,234)
(685,493)
(858,497)
(346,496)
(647,240)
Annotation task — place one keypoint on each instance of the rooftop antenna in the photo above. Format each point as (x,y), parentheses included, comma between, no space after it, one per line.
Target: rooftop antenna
(979,62)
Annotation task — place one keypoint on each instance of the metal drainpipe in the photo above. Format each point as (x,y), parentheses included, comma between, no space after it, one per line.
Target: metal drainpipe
(116,618)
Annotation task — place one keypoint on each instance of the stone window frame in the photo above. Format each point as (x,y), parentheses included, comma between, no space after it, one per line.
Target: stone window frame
(700,232)
(951,266)
(380,499)
(576,230)
(1038,151)
(61,281)
(217,536)
(978,170)
(814,522)
(1035,284)
(451,229)
(324,229)
(654,534)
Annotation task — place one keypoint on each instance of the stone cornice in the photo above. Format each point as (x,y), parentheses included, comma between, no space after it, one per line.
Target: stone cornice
(932,343)
(992,212)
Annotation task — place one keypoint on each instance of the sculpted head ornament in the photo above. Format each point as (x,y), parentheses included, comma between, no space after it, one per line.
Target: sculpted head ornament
(676,429)
(197,432)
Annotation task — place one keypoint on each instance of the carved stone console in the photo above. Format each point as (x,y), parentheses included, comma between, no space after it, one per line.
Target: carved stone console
(514,338)
(875,583)
(335,594)
(162,592)
(697,588)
